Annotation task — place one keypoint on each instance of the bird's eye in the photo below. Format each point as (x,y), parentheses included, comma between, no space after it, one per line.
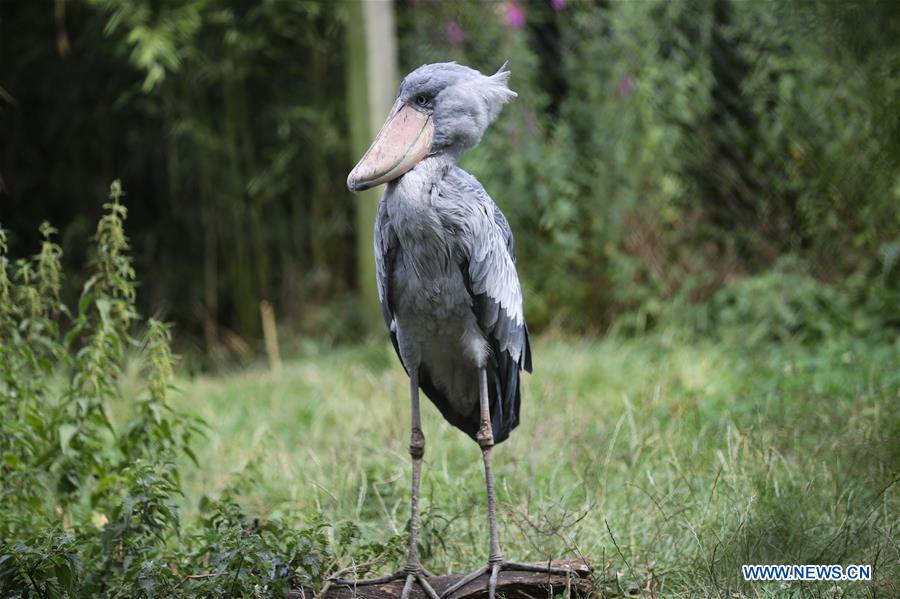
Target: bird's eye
(422,101)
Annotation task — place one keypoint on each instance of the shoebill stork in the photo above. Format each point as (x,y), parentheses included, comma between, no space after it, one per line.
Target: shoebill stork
(446,275)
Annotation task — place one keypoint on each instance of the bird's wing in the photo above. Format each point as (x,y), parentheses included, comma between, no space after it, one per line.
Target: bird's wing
(503,225)
(490,273)
(489,270)
(385,252)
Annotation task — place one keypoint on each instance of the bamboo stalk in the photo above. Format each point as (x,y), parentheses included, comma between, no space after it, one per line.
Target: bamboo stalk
(270,333)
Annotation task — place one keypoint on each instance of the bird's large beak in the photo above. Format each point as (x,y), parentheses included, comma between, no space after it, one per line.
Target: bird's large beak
(403,141)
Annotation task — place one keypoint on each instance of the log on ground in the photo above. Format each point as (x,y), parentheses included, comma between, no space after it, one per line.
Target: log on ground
(512,584)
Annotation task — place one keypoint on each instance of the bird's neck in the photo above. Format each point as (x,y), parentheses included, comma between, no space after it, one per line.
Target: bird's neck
(415,207)
(421,179)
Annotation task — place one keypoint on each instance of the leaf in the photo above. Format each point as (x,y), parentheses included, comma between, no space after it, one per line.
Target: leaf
(103,306)
(86,296)
(66,432)
(64,576)
(190,453)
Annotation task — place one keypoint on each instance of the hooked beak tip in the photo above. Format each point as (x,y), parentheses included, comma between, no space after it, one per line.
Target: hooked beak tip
(354,184)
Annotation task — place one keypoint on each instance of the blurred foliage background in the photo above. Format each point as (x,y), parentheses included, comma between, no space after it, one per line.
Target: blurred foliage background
(711,185)
(658,151)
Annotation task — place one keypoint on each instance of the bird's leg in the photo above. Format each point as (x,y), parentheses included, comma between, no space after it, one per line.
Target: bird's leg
(413,566)
(412,571)
(485,438)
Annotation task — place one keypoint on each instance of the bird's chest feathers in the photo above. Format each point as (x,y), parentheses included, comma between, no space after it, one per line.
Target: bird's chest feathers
(429,265)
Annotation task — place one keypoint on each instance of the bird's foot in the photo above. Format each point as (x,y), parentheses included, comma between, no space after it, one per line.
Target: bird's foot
(493,568)
(413,572)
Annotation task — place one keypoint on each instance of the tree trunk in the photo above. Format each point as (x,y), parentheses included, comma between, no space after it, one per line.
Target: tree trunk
(371,84)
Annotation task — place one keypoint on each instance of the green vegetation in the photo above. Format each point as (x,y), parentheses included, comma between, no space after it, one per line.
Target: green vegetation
(657,454)
(713,184)
(670,457)
(656,151)
(91,474)
(659,149)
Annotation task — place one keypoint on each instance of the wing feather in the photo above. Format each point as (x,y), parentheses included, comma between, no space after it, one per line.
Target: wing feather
(385,251)
(488,266)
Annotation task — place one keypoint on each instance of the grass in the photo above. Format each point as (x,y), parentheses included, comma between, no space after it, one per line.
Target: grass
(654,457)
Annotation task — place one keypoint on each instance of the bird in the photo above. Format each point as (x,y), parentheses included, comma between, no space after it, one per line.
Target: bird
(445,266)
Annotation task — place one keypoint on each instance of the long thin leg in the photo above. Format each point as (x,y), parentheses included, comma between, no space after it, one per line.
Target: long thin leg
(416,452)
(412,571)
(496,563)
(413,566)
(485,439)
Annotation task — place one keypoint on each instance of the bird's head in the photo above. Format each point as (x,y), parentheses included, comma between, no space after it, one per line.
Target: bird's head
(442,108)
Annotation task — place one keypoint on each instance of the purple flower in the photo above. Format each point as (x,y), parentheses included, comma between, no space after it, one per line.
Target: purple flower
(625,87)
(514,15)
(530,120)
(455,33)
(512,133)
(557,5)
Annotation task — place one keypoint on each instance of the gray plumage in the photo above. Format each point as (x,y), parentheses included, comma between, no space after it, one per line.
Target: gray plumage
(445,260)
(446,272)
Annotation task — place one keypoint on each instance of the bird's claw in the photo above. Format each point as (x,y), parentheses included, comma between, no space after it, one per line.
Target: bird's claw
(423,582)
(494,568)
(463,581)
(412,572)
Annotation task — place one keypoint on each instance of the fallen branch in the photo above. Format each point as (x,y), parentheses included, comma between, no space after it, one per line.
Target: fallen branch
(513,584)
